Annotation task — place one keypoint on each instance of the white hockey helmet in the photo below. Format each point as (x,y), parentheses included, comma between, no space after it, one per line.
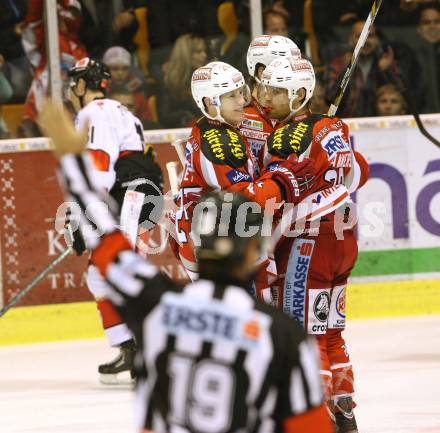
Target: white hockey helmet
(212,81)
(291,74)
(265,48)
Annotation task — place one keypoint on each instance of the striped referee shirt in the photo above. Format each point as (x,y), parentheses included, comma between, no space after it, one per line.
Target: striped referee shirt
(211,357)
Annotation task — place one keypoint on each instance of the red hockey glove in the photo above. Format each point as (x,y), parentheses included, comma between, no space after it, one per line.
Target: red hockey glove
(295,178)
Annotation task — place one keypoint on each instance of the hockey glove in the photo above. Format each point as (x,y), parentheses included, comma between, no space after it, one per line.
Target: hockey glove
(76,238)
(296,179)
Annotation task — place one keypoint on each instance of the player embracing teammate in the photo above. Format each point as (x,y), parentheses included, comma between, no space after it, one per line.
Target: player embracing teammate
(218,158)
(314,265)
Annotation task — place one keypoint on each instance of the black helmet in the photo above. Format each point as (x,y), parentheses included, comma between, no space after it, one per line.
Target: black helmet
(95,73)
(224,223)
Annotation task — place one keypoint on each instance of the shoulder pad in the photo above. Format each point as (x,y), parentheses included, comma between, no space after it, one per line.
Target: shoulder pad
(294,137)
(222,145)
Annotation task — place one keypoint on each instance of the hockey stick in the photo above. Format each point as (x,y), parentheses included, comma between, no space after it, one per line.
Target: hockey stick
(178,145)
(401,85)
(354,58)
(35,281)
(420,124)
(172,176)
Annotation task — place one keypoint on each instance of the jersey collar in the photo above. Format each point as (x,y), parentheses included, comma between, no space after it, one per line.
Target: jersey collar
(302,116)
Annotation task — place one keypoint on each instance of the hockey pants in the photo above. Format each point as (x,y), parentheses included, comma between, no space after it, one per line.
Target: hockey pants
(312,289)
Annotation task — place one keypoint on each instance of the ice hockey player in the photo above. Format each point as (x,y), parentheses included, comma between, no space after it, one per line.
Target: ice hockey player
(124,166)
(317,264)
(219,158)
(213,357)
(258,125)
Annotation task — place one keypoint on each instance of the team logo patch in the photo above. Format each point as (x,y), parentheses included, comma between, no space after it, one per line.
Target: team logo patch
(202,74)
(340,304)
(295,282)
(255,147)
(261,41)
(335,143)
(300,64)
(318,310)
(237,78)
(259,135)
(253,124)
(321,306)
(336,319)
(236,176)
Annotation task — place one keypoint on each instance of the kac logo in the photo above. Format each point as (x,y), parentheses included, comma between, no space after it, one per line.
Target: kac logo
(321,307)
(236,176)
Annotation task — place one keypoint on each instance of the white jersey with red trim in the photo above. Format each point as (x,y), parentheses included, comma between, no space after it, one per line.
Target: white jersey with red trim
(112,129)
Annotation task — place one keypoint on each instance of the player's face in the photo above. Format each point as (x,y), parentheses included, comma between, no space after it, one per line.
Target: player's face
(276,101)
(119,73)
(390,104)
(232,106)
(75,92)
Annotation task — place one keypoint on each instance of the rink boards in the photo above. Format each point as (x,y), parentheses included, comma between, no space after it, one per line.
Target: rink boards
(398,271)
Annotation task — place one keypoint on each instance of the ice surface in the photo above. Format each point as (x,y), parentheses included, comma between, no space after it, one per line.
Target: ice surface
(54,388)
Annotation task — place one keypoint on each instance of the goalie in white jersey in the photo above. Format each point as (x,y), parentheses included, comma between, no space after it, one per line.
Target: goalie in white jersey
(127,169)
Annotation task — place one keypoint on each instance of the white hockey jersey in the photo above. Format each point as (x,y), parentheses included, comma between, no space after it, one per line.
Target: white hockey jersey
(112,130)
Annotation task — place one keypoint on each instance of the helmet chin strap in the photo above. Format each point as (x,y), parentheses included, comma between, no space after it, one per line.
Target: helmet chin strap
(293,111)
(216,103)
(219,117)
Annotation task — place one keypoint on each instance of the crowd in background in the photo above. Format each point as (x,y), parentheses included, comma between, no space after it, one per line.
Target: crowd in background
(153,46)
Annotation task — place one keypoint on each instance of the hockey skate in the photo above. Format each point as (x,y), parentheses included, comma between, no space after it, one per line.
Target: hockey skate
(344,416)
(120,370)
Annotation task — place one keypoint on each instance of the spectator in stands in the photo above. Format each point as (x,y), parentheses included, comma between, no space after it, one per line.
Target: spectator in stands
(390,101)
(176,107)
(380,62)
(107,23)
(128,78)
(275,23)
(127,98)
(429,23)
(426,45)
(167,20)
(6,90)
(16,66)
(34,42)
(124,96)
(392,12)
(231,44)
